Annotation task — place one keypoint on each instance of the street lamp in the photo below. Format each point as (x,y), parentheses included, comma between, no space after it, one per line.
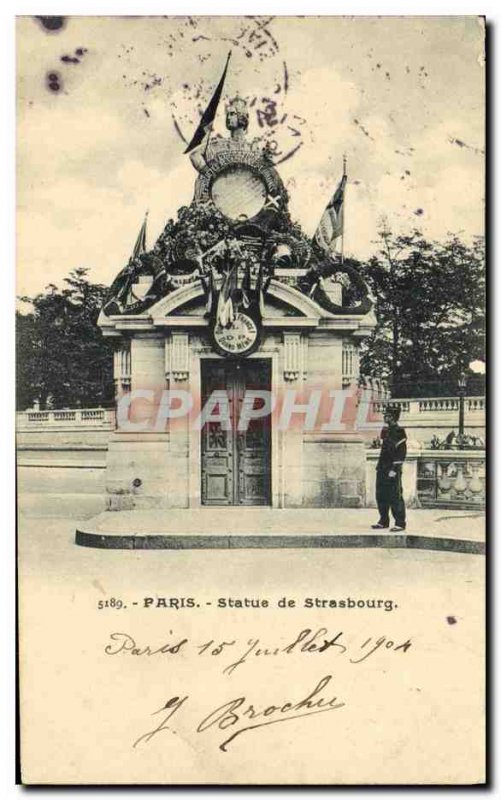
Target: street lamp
(477,367)
(461,393)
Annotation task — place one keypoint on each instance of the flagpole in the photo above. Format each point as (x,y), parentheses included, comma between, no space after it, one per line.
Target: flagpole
(344,208)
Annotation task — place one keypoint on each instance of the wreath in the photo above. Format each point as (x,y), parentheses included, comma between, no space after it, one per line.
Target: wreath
(358,288)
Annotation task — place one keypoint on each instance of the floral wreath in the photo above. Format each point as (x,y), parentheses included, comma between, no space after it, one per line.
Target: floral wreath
(329,268)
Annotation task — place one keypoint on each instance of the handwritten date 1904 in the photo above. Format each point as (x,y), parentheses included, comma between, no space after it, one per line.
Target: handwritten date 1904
(235,653)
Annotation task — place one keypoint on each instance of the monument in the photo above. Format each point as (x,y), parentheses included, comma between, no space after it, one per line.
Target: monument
(234,299)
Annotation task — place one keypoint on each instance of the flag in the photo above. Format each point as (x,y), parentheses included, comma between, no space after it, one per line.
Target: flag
(260,290)
(208,284)
(246,287)
(225,311)
(140,246)
(205,124)
(332,223)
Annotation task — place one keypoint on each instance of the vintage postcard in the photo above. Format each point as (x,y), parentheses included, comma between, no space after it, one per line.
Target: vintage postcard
(251,400)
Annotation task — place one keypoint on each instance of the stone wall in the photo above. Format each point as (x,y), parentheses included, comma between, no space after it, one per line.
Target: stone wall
(334,471)
(61,480)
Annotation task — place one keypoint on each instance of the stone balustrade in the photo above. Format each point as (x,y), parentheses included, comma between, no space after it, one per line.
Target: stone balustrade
(454,479)
(433,405)
(425,417)
(66,419)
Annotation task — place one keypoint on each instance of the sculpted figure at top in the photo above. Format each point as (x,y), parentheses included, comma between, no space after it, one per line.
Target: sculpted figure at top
(237,122)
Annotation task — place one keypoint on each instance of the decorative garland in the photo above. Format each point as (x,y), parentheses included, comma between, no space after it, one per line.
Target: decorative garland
(203,240)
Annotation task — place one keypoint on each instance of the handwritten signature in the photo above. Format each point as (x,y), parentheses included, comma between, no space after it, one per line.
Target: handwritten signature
(239,715)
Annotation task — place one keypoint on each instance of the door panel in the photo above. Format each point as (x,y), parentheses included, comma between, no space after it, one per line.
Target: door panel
(217,447)
(236,464)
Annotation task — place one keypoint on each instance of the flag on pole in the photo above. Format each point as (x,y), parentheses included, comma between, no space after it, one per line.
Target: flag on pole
(205,124)
(140,246)
(331,225)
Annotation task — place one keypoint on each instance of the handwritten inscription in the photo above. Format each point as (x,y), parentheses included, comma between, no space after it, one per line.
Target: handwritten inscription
(245,713)
(240,715)
(235,653)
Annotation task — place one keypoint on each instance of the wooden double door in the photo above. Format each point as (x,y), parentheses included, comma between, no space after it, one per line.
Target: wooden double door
(236,458)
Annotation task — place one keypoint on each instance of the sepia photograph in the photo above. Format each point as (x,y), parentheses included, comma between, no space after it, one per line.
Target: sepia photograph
(251,400)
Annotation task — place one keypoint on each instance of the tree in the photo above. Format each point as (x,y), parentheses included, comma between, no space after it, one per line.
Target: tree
(62,357)
(429,301)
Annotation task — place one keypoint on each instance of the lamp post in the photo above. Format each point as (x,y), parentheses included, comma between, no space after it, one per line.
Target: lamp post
(461,393)
(477,367)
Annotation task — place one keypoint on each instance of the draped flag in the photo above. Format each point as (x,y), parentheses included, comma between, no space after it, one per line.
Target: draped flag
(208,284)
(246,287)
(331,225)
(261,289)
(140,246)
(205,124)
(225,311)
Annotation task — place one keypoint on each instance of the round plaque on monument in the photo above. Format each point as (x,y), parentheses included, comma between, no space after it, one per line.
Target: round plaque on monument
(239,338)
(239,193)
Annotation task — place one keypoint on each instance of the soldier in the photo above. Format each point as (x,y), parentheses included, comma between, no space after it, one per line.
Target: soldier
(389,472)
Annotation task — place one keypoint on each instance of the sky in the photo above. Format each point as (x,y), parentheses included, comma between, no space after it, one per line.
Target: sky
(106,104)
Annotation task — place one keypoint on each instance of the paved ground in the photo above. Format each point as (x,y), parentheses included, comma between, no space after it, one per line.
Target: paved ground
(235,521)
(469,525)
(47,548)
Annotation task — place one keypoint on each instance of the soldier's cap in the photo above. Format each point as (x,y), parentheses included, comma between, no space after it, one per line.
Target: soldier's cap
(393,410)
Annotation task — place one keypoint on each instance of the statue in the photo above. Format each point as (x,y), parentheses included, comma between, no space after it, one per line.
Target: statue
(237,123)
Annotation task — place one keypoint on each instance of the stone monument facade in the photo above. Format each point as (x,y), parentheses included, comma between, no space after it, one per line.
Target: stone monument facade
(234,299)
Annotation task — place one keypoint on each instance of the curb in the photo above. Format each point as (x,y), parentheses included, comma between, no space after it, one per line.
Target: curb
(273,541)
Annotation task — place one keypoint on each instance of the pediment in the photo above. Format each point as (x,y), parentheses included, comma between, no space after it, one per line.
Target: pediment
(280,301)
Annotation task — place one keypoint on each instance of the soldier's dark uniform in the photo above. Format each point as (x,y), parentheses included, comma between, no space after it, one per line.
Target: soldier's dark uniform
(389,489)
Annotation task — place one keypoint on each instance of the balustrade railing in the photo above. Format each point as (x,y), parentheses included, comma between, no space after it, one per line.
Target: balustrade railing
(102,418)
(475,403)
(439,404)
(432,406)
(455,480)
